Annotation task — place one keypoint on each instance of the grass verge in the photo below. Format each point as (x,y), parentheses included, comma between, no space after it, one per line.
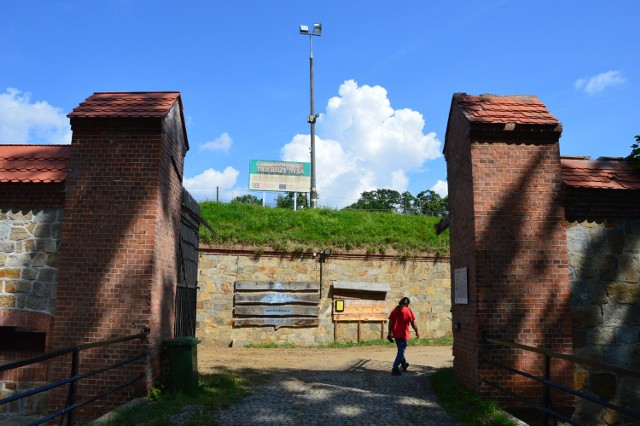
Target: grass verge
(465,406)
(436,341)
(214,391)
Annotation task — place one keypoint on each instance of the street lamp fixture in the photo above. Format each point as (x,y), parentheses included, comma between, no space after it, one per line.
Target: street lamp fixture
(316,31)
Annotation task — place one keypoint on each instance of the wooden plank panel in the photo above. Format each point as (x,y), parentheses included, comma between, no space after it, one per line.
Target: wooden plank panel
(337,316)
(273,298)
(277,286)
(277,322)
(277,310)
(379,304)
(361,286)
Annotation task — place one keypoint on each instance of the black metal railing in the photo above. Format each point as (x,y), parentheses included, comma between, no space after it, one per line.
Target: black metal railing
(547,407)
(74,376)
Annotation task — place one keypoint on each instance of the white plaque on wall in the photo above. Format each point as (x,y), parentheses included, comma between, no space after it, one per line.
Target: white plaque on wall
(461,295)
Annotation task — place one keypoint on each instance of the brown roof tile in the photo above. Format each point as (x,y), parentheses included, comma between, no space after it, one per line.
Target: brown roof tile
(504,109)
(607,173)
(126,104)
(34,163)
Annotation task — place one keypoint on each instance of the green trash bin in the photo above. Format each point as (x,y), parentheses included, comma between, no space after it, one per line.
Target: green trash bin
(183,363)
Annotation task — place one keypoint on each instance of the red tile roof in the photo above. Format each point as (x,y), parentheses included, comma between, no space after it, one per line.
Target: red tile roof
(34,163)
(603,173)
(126,104)
(504,109)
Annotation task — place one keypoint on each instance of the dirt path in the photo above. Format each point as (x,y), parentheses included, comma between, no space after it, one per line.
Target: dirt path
(211,359)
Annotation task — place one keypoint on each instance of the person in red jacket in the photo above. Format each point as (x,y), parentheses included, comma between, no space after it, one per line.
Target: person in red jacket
(399,321)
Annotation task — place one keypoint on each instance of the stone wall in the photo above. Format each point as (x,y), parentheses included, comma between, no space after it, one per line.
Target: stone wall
(29,241)
(426,281)
(604,260)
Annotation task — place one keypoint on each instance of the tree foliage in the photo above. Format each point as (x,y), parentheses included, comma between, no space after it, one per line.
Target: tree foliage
(247,199)
(387,200)
(427,203)
(286,201)
(635,152)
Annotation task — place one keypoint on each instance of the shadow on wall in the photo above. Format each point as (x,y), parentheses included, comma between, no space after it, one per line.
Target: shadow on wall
(606,311)
(527,295)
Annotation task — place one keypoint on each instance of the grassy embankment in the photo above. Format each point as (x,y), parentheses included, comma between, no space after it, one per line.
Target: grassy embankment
(312,230)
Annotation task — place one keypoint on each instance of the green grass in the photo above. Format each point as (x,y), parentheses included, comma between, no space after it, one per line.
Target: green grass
(316,229)
(425,341)
(214,391)
(465,406)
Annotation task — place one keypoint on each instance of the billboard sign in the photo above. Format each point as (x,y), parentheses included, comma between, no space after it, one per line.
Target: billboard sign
(284,176)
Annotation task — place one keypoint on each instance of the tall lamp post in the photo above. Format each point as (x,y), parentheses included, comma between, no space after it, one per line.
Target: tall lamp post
(317,31)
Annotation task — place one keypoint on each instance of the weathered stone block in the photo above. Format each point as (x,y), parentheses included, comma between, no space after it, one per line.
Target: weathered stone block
(29,273)
(584,316)
(5,229)
(10,273)
(56,231)
(580,339)
(38,260)
(52,260)
(18,260)
(628,335)
(19,234)
(7,301)
(619,355)
(42,230)
(628,268)
(37,303)
(623,292)
(605,385)
(578,238)
(580,378)
(630,393)
(41,289)
(47,275)
(18,286)
(632,244)
(7,246)
(615,240)
(602,336)
(608,267)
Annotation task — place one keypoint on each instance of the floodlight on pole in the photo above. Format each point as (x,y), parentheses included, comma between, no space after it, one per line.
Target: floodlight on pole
(316,31)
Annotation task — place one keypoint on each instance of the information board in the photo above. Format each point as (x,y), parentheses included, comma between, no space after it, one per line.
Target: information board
(283,176)
(461,288)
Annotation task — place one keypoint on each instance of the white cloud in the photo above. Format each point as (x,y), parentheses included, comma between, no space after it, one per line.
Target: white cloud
(598,83)
(441,188)
(24,122)
(221,143)
(212,183)
(363,144)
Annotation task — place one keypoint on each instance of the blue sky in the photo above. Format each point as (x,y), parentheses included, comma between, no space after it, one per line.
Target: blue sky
(385,73)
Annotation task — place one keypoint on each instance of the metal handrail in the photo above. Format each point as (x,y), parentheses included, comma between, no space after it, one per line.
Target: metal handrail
(74,378)
(547,383)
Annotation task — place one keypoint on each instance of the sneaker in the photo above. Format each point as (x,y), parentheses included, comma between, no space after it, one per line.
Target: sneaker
(405,366)
(396,372)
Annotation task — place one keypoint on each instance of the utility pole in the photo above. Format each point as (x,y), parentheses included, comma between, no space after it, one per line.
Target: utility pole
(317,31)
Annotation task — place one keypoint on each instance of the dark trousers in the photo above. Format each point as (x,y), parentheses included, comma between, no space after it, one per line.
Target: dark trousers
(402,346)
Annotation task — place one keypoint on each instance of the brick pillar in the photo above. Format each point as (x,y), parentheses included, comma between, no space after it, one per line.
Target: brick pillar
(507,229)
(118,257)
